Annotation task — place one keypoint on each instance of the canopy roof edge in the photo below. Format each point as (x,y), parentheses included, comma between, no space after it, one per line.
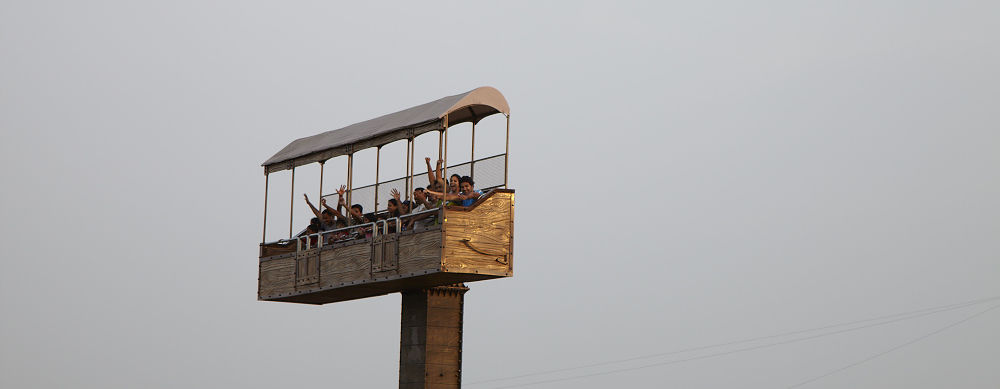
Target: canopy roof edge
(471,106)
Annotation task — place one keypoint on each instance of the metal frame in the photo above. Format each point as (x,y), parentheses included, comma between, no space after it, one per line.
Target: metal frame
(472,157)
(291,210)
(378,158)
(322,164)
(506,152)
(350,183)
(263,238)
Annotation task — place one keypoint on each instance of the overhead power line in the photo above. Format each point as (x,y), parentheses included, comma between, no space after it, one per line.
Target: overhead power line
(896,317)
(922,337)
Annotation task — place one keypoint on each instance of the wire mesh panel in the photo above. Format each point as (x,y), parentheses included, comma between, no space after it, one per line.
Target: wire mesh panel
(461,169)
(385,190)
(365,196)
(489,173)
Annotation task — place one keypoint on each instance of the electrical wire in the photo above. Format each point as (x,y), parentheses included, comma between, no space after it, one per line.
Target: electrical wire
(922,337)
(898,317)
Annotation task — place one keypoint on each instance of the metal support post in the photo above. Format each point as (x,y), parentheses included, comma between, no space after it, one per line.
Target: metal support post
(291,210)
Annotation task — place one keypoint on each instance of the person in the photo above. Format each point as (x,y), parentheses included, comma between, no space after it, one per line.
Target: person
(396,208)
(314,227)
(338,236)
(326,217)
(392,206)
(454,183)
(466,187)
(466,196)
(357,214)
(422,203)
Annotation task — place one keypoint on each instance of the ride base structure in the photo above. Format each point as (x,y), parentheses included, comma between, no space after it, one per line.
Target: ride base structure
(427,264)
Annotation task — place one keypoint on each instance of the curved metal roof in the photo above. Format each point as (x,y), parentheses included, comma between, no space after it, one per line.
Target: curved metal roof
(471,106)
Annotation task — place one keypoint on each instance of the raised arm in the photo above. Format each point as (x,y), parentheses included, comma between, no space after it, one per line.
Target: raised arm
(313,208)
(430,173)
(336,212)
(395,194)
(341,203)
(448,196)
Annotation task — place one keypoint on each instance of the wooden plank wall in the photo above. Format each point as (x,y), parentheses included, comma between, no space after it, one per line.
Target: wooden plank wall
(339,266)
(489,229)
(276,276)
(419,252)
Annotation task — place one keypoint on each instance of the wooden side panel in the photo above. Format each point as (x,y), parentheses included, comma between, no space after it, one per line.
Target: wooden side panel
(345,264)
(419,252)
(277,276)
(307,268)
(480,240)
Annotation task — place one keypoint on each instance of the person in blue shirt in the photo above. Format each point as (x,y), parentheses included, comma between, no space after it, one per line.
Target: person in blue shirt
(465,185)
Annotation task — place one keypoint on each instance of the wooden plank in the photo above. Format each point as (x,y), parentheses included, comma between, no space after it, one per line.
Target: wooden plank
(444,317)
(442,374)
(444,355)
(277,276)
(444,336)
(345,259)
(419,252)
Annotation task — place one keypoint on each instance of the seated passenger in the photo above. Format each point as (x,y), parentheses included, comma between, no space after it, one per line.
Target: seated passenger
(454,183)
(338,236)
(422,203)
(313,228)
(326,217)
(357,215)
(392,205)
(471,195)
(465,198)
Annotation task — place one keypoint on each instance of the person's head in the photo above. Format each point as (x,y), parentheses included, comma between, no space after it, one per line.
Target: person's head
(314,226)
(327,217)
(453,182)
(393,206)
(419,195)
(357,208)
(439,185)
(405,207)
(466,184)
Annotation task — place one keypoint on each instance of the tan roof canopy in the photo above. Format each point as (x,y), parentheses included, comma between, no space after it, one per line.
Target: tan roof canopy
(471,106)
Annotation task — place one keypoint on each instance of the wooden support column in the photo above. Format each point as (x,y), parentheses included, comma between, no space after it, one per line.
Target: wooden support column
(430,341)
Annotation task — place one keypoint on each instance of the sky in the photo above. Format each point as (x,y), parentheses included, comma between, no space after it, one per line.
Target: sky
(706,191)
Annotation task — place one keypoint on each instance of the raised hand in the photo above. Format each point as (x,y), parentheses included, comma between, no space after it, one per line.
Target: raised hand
(394,193)
(322,201)
(342,190)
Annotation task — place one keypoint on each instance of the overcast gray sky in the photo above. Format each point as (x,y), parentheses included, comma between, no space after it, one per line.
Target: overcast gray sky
(687,174)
